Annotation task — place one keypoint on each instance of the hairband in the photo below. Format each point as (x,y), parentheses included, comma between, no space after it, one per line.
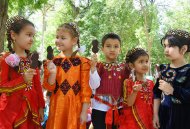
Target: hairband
(179,33)
(13,20)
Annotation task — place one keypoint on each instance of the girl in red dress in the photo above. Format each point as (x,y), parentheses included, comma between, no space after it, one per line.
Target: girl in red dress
(137,113)
(21,98)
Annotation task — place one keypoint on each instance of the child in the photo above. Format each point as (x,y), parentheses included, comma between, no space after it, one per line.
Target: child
(46,110)
(106,81)
(173,85)
(138,96)
(68,77)
(21,100)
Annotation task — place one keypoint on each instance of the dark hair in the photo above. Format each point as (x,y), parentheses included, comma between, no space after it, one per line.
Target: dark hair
(110,36)
(177,38)
(134,54)
(16,24)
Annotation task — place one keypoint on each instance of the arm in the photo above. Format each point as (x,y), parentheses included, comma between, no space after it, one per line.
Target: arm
(39,91)
(86,91)
(183,92)
(38,88)
(7,85)
(156,91)
(132,92)
(83,116)
(156,106)
(156,122)
(94,76)
(46,84)
(131,98)
(94,80)
(177,91)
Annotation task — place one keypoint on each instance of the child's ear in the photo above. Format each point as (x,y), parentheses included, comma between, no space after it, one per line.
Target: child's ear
(13,35)
(75,40)
(131,66)
(183,49)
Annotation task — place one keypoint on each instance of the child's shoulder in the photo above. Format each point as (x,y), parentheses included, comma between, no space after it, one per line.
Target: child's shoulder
(83,59)
(150,82)
(118,64)
(163,66)
(3,55)
(128,80)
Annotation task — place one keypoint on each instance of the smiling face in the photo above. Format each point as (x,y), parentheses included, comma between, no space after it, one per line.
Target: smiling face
(25,38)
(64,40)
(111,49)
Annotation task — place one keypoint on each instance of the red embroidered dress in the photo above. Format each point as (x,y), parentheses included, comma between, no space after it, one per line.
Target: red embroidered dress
(138,116)
(19,108)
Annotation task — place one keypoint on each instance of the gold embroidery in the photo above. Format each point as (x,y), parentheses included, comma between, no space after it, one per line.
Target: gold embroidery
(137,118)
(12,89)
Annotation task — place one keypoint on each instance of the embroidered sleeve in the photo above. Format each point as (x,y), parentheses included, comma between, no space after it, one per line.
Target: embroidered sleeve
(7,85)
(151,83)
(127,89)
(38,88)
(86,91)
(46,85)
(182,92)
(156,91)
(125,92)
(126,71)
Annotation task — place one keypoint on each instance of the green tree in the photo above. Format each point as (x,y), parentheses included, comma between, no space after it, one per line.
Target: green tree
(23,7)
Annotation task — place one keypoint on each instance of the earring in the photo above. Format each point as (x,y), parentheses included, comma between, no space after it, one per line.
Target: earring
(14,41)
(132,75)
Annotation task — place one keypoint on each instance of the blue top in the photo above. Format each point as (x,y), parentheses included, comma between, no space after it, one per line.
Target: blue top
(179,78)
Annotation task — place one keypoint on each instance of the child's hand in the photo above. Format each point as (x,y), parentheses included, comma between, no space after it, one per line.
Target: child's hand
(83,117)
(166,87)
(41,113)
(156,122)
(94,61)
(137,87)
(51,67)
(28,75)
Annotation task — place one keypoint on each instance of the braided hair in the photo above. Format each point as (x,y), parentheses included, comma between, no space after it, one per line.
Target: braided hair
(134,54)
(16,24)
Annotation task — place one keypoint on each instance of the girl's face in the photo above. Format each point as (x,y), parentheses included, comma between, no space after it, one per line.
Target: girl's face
(64,40)
(25,38)
(172,52)
(111,49)
(141,65)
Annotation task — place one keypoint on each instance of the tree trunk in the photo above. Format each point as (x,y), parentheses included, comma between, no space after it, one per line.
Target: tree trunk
(3,19)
